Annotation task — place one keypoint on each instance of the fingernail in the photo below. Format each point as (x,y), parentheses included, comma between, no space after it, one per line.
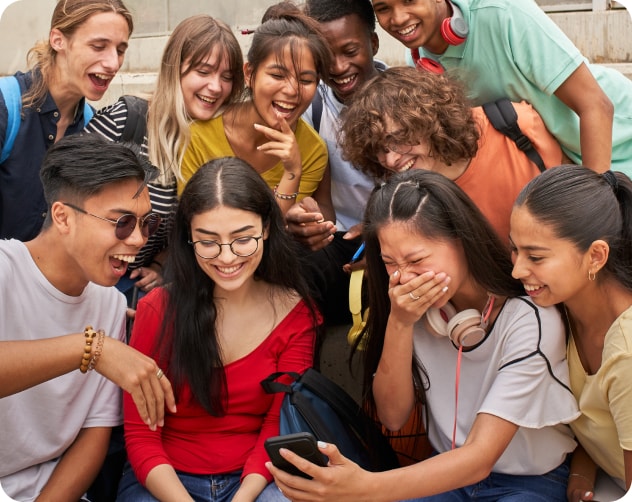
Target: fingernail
(444,289)
(322,444)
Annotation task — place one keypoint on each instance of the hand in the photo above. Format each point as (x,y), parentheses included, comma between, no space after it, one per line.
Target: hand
(136,373)
(353,232)
(283,145)
(149,278)
(306,223)
(341,480)
(411,300)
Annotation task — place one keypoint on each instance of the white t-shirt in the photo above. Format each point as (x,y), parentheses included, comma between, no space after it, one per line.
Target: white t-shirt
(38,425)
(350,187)
(518,373)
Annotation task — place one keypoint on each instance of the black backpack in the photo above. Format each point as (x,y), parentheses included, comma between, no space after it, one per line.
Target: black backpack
(315,404)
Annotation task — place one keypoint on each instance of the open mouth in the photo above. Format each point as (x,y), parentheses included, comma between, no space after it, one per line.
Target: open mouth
(283,109)
(229,271)
(119,262)
(532,289)
(408,31)
(210,101)
(100,80)
(345,82)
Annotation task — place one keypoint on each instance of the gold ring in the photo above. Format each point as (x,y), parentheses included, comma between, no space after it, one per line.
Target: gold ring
(159,374)
(413,297)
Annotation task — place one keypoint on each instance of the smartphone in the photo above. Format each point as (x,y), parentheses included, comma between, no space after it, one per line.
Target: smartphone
(301,443)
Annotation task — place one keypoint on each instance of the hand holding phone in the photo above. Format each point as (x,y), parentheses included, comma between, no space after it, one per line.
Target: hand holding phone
(301,443)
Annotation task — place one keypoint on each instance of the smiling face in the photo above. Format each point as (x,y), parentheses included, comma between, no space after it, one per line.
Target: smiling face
(223,225)
(206,86)
(415,23)
(88,60)
(283,86)
(553,270)
(412,253)
(353,47)
(100,256)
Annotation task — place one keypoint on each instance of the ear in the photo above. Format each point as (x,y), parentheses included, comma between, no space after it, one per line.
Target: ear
(598,253)
(247,74)
(375,43)
(60,217)
(56,39)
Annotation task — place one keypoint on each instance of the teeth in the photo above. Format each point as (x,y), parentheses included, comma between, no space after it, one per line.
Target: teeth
(207,100)
(285,106)
(228,270)
(102,76)
(529,287)
(407,166)
(407,31)
(343,81)
(125,257)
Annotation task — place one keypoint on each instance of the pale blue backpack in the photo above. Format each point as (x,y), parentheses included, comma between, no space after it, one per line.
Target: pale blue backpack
(10,89)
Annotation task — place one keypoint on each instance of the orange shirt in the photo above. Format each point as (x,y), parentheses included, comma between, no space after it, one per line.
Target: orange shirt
(500,170)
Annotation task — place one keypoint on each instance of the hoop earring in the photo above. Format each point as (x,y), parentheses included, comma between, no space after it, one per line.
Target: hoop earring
(591,276)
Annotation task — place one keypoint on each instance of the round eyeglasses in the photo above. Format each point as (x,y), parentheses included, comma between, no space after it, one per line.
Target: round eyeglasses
(124,225)
(241,246)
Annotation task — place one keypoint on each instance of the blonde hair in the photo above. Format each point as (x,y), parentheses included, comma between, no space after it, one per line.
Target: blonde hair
(168,122)
(67,17)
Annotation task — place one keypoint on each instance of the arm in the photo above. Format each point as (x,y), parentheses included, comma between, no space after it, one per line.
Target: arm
(627,460)
(581,482)
(53,357)
(284,146)
(164,484)
(581,93)
(393,382)
(78,467)
(343,480)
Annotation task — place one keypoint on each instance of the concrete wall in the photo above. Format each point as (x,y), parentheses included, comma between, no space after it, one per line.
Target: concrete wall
(604,37)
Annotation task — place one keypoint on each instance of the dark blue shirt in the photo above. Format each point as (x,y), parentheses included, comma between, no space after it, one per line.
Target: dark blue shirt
(22,204)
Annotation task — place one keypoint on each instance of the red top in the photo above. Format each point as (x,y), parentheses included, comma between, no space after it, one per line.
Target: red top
(195,442)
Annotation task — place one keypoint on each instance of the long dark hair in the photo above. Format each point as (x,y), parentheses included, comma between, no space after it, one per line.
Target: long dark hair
(437,208)
(189,340)
(582,207)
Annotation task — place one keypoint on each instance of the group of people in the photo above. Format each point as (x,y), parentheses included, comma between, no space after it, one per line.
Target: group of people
(237,192)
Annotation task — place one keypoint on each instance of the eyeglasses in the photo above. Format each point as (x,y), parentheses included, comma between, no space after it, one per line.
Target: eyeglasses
(241,246)
(124,225)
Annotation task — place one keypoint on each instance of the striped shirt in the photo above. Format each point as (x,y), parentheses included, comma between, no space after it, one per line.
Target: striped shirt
(109,122)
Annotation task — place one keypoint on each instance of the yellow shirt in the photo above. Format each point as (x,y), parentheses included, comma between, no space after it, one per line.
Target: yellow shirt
(208,142)
(604,428)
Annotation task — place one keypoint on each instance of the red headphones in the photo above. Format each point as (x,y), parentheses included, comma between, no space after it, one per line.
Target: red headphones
(454,31)
(465,329)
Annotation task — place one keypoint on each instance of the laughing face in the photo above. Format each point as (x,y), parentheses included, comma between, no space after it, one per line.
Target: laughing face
(552,270)
(98,253)
(88,60)
(353,47)
(283,86)
(206,86)
(226,225)
(415,23)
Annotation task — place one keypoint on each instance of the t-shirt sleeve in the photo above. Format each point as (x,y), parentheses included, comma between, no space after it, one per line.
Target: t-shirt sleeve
(314,158)
(109,122)
(531,386)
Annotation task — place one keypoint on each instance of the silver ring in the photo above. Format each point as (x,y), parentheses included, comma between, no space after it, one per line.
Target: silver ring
(413,297)
(159,373)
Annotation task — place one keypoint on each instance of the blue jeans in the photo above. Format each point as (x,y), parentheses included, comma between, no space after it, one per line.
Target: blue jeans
(549,487)
(202,488)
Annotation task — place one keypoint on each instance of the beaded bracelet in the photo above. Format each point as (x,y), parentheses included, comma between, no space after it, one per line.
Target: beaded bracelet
(89,333)
(284,196)
(97,350)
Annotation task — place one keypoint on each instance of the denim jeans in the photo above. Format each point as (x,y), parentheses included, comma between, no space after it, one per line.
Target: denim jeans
(549,487)
(202,488)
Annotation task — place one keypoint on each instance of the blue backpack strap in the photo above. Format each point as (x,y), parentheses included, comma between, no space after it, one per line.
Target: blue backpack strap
(10,89)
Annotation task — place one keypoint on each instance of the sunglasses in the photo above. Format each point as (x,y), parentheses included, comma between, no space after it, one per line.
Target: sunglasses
(124,225)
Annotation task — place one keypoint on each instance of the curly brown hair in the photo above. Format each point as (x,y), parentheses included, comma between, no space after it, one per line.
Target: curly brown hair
(423,105)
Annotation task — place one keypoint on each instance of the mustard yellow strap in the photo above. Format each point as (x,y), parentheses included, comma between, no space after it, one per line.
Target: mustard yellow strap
(355,306)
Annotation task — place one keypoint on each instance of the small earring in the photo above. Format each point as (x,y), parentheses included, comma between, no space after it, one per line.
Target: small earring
(591,276)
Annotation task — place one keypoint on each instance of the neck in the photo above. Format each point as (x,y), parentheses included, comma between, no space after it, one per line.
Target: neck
(65,99)
(59,268)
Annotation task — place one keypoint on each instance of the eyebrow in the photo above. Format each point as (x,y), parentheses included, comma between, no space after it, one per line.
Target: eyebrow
(211,233)
(529,248)
(284,69)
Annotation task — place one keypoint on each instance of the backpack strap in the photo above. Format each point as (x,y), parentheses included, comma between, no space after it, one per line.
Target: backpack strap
(10,88)
(88,113)
(502,115)
(317,110)
(135,128)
